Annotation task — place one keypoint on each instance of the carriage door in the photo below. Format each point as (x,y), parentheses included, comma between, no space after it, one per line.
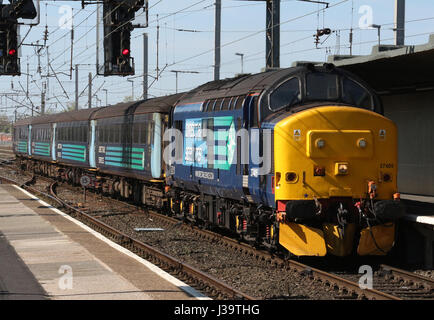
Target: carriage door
(92,146)
(53,142)
(29,137)
(250,124)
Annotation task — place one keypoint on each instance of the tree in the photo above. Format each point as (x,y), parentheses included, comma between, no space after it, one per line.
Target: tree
(5,124)
(70,106)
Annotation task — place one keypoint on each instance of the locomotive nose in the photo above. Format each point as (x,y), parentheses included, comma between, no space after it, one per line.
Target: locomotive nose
(333,152)
(333,155)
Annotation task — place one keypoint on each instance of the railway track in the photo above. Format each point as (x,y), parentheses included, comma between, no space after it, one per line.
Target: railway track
(6,153)
(391,283)
(404,284)
(183,271)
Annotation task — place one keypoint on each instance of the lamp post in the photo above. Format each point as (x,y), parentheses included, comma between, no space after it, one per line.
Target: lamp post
(378,27)
(132,88)
(180,71)
(106,103)
(242,61)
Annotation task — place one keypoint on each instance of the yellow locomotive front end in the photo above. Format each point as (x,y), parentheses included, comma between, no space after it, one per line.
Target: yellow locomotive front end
(336,181)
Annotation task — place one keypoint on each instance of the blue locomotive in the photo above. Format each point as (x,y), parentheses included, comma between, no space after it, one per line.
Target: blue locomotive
(298,158)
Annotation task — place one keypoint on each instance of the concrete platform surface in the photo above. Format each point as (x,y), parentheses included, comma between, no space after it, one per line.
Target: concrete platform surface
(45,254)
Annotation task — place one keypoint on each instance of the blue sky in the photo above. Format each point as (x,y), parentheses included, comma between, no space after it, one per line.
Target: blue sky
(243,31)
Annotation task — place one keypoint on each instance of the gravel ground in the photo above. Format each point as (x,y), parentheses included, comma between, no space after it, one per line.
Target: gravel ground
(426,273)
(13,174)
(243,272)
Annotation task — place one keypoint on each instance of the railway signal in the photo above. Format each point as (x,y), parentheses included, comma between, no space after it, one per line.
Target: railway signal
(9,15)
(118,15)
(16,9)
(9,61)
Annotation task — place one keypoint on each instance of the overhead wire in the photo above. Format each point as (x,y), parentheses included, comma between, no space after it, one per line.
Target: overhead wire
(255,33)
(252,55)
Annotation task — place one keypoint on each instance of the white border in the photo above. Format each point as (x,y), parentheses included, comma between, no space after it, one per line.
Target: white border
(166,276)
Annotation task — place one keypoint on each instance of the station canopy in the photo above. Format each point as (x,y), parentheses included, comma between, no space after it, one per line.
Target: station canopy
(393,69)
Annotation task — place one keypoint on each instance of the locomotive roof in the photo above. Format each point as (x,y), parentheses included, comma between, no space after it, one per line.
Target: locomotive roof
(160,104)
(240,85)
(22,122)
(76,115)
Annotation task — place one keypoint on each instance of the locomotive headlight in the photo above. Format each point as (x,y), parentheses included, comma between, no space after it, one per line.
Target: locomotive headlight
(341,168)
(387,177)
(362,143)
(320,143)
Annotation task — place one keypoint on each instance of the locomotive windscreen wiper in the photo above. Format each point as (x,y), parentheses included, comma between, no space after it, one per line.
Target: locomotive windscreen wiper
(288,105)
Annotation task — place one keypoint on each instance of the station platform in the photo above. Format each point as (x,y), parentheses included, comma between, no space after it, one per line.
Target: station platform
(45,254)
(419,229)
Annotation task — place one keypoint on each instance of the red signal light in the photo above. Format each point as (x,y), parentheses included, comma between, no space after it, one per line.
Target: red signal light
(126,52)
(12,52)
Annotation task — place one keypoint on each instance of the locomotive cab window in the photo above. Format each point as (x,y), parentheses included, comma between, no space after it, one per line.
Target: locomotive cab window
(356,95)
(322,86)
(285,95)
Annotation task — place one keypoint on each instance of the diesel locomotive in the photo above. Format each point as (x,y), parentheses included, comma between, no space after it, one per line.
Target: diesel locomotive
(298,159)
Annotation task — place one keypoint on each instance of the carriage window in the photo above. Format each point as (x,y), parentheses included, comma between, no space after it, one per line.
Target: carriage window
(239,103)
(233,103)
(100,134)
(285,95)
(356,95)
(84,133)
(74,133)
(105,134)
(77,133)
(322,86)
(206,106)
(218,104)
(118,133)
(226,103)
(212,105)
(109,134)
(150,130)
(144,132)
(136,132)
(70,136)
(80,133)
